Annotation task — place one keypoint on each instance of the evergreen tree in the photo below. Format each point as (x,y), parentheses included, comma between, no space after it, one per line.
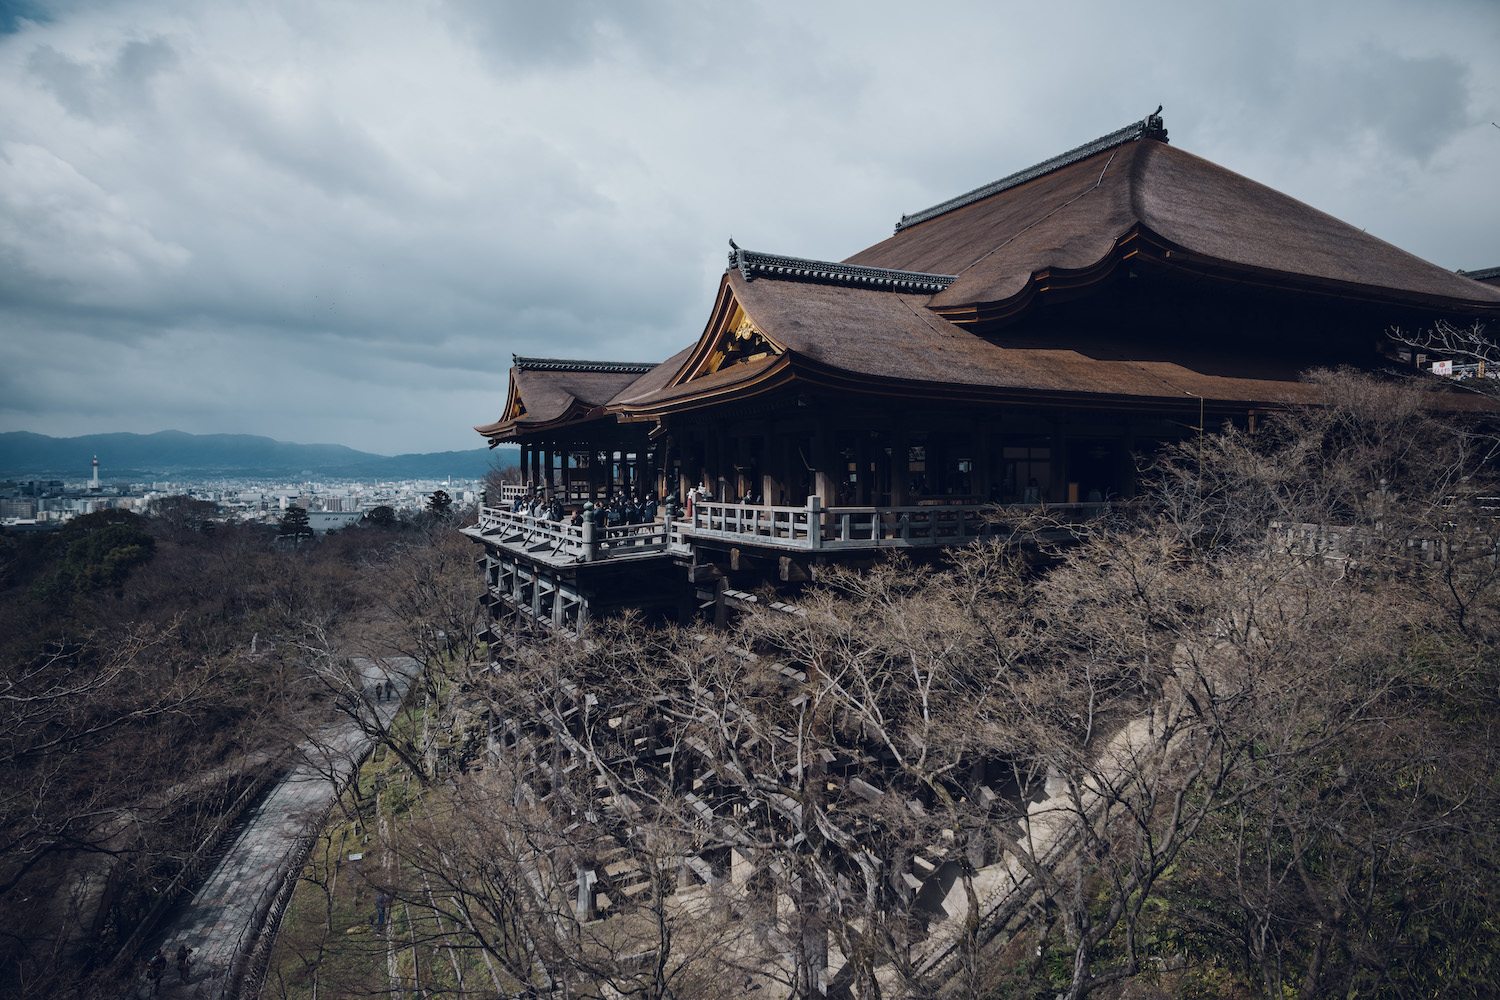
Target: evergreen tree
(439,504)
(295,523)
(383,516)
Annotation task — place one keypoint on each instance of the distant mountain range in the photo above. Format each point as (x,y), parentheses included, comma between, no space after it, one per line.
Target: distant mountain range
(179,455)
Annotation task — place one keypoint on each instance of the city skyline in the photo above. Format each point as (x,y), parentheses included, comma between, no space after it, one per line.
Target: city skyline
(338,224)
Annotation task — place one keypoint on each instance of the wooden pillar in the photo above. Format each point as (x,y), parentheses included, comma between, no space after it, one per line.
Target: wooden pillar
(1058,491)
(825,485)
(663,465)
(771,474)
(792,471)
(715,470)
(585,906)
(900,466)
(864,493)
(983,463)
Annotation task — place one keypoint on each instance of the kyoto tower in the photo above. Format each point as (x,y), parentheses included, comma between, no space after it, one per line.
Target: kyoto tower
(95,484)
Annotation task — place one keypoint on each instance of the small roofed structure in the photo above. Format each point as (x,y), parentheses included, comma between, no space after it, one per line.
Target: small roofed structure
(1488,275)
(1025,342)
(548,396)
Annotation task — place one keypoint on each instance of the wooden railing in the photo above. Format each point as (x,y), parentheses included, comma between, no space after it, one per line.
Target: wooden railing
(562,541)
(808,528)
(785,527)
(814,527)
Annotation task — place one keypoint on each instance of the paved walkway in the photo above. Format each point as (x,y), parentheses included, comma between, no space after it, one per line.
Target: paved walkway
(222,922)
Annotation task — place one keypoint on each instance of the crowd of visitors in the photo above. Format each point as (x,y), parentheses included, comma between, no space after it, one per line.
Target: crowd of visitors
(619,509)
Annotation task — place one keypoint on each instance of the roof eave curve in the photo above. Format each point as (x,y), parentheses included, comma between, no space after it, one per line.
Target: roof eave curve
(1045,279)
(1140,241)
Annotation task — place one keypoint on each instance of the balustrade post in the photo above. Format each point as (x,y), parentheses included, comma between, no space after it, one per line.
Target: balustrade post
(815,521)
(590,546)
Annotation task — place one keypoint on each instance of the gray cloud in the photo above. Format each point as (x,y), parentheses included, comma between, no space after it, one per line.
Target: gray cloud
(291,219)
(1415,105)
(93,90)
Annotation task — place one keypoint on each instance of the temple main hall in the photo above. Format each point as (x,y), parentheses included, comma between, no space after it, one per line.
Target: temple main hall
(1028,343)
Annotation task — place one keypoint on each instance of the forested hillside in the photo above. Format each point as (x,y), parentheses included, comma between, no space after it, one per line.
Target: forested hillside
(156,671)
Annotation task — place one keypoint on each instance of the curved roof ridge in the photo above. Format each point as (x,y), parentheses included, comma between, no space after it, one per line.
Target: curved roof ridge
(1150,127)
(753,264)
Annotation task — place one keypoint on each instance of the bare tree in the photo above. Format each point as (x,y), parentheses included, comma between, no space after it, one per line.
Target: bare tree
(882,793)
(558,901)
(1467,345)
(426,600)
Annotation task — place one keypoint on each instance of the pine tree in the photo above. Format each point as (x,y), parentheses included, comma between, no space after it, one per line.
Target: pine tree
(383,516)
(295,523)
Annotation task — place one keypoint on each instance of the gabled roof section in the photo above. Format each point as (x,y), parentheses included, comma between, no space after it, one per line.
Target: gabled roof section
(1069,222)
(752,264)
(1150,127)
(1488,275)
(858,339)
(546,393)
(731,338)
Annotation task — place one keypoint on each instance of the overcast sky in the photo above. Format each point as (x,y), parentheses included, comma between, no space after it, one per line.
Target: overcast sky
(335,222)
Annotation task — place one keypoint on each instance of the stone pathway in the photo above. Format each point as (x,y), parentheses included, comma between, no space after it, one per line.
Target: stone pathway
(222,921)
(1051,826)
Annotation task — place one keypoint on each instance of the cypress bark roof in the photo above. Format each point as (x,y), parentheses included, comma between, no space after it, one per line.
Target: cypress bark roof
(550,392)
(893,318)
(1073,218)
(867,337)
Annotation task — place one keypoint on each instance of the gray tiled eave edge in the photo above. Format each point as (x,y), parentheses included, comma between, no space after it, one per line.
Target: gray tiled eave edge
(753,264)
(565,365)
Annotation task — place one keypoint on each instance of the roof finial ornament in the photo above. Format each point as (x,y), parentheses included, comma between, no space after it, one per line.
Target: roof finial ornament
(737,259)
(1153,127)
